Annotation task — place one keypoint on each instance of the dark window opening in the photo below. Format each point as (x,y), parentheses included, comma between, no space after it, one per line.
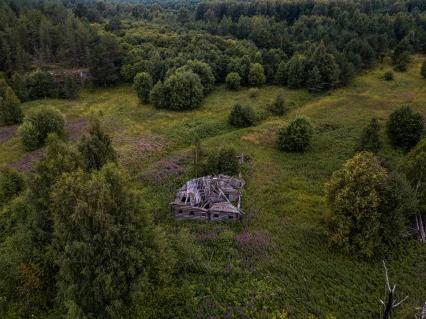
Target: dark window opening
(183,199)
(216,215)
(180,212)
(230,217)
(191,213)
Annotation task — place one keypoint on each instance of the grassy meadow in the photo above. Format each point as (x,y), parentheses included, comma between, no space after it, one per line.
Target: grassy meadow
(277,257)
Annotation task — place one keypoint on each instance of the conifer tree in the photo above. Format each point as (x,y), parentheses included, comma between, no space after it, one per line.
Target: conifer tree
(10,106)
(96,149)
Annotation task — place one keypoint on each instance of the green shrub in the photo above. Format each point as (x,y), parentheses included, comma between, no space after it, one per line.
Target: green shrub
(278,107)
(142,83)
(369,140)
(296,137)
(204,72)
(233,81)
(256,75)
(388,76)
(180,91)
(96,149)
(11,184)
(38,124)
(369,208)
(405,127)
(423,69)
(223,162)
(242,116)
(10,106)
(414,167)
(40,85)
(69,89)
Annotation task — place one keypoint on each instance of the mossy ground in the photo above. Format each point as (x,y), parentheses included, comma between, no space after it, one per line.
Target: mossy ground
(285,261)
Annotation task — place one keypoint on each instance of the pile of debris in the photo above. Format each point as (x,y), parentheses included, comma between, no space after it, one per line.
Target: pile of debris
(209,198)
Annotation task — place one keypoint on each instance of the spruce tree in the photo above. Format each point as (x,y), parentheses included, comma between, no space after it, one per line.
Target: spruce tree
(96,149)
(102,223)
(10,107)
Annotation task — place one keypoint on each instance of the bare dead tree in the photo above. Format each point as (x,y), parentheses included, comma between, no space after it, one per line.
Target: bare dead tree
(389,302)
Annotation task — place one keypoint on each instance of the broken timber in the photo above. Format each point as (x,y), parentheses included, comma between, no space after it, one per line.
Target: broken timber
(209,198)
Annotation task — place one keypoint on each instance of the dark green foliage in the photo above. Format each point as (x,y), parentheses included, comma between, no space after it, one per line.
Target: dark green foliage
(11,184)
(281,73)
(423,70)
(370,209)
(10,106)
(105,59)
(414,167)
(19,86)
(369,140)
(296,137)
(158,96)
(324,71)
(233,81)
(278,107)
(223,162)
(69,89)
(142,83)
(203,70)
(256,75)
(242,116)
(96,149)
(405,127)
(40,85)
(38,124)
(296,71)
(388,76)
(180,91)
(102,223)
(398,204)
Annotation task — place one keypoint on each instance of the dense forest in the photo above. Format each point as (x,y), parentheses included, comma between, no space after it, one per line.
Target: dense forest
(85,226)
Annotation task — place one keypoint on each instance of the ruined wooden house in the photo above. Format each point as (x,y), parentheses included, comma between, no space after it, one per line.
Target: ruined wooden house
(209,198)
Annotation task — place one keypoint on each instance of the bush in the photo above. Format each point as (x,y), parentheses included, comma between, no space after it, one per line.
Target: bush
(369,208)
(423,69)
(96,149)
(405,127)
(369,140)
(242,116)
(223,162)
(11,184)
(38,125)
(69,89)
(296,137)
(203,70)
(388,76)
(278,107)
(256,75)
(10,106)
(414,167)
(142,83)
(40,85)
(180,91)
(233,81)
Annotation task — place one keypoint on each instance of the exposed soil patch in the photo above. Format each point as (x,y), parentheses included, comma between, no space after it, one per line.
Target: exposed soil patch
(26,163)
(7,133)
(75,129)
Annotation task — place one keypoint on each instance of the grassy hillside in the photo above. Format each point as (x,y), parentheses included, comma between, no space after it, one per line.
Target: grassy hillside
(277,257)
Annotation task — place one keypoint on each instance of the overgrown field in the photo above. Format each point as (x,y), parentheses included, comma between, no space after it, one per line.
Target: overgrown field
(277,257)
